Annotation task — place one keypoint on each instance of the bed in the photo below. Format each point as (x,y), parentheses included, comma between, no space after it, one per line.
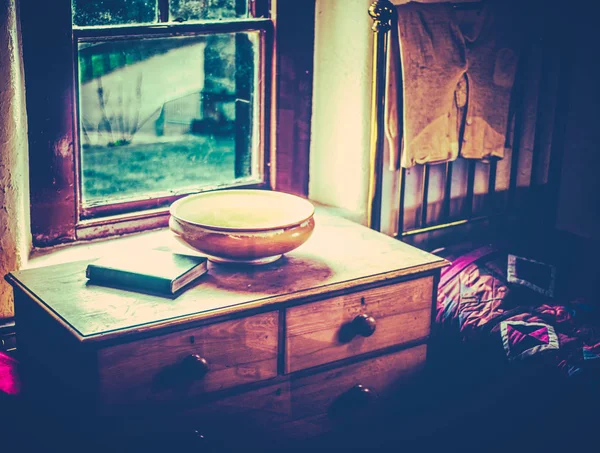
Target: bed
(438,205)
(509,369)
(512,323)
(512,370)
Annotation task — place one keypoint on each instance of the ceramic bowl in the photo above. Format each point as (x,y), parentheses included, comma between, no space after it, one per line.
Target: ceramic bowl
(242,226)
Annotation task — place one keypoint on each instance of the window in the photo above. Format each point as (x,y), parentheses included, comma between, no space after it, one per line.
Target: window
(134,103)
(166,111)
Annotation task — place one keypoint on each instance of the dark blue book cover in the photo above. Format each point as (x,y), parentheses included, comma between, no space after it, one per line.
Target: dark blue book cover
(152,271)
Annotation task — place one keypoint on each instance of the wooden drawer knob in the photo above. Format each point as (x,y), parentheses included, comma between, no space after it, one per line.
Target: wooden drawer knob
(364,325)
(352,402)
(195,366)
(360,395)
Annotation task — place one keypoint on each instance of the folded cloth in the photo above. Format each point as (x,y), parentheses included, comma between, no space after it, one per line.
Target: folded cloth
(445,70)
(9,377)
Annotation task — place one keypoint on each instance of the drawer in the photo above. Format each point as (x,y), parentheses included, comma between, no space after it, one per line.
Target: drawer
(320,401)
(307,406)
(190,362)
(340,327)
(244,418)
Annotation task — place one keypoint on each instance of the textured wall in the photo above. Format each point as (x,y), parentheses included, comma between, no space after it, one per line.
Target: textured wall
(339,155)
(14,195)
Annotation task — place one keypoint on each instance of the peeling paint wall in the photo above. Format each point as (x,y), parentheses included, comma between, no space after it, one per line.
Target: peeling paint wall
(15,237)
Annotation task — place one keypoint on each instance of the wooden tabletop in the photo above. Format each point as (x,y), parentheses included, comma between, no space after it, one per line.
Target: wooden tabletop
(340,254)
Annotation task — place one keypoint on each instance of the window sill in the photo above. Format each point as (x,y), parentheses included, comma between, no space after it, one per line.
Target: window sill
(161,239)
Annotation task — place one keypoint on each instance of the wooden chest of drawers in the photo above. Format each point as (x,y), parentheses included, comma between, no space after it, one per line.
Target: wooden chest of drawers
(281,350)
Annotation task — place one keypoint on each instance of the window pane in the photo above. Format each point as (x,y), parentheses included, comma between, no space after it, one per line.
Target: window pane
(113,12)
(167,115)
(188,10)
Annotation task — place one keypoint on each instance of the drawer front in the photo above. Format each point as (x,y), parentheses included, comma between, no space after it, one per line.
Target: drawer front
(190,362)
(245,418)
(303,407)
(319,401)
(332,329)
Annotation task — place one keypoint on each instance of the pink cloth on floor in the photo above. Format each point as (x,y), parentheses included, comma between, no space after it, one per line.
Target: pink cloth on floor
(9,376)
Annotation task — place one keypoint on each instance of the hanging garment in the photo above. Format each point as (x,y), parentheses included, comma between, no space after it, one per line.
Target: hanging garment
(492,56)
(446,69)
(433,57)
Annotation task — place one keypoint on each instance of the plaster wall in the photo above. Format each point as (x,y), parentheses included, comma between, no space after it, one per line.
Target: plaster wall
(15,237)
(339,156)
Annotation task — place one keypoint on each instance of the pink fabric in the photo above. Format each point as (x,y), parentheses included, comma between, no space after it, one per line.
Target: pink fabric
(459,264)
(476,304)
(9,376)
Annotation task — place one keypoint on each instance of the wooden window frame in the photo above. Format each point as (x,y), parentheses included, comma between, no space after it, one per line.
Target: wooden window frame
(50,81)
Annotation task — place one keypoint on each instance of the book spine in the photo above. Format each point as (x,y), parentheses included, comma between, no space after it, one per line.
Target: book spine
(118,278)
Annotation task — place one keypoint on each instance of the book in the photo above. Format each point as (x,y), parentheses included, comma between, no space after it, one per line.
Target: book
(152,271)
(535,275)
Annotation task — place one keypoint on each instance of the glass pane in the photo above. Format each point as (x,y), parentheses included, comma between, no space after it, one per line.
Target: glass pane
(113,12)
(188,10)
(167,115)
